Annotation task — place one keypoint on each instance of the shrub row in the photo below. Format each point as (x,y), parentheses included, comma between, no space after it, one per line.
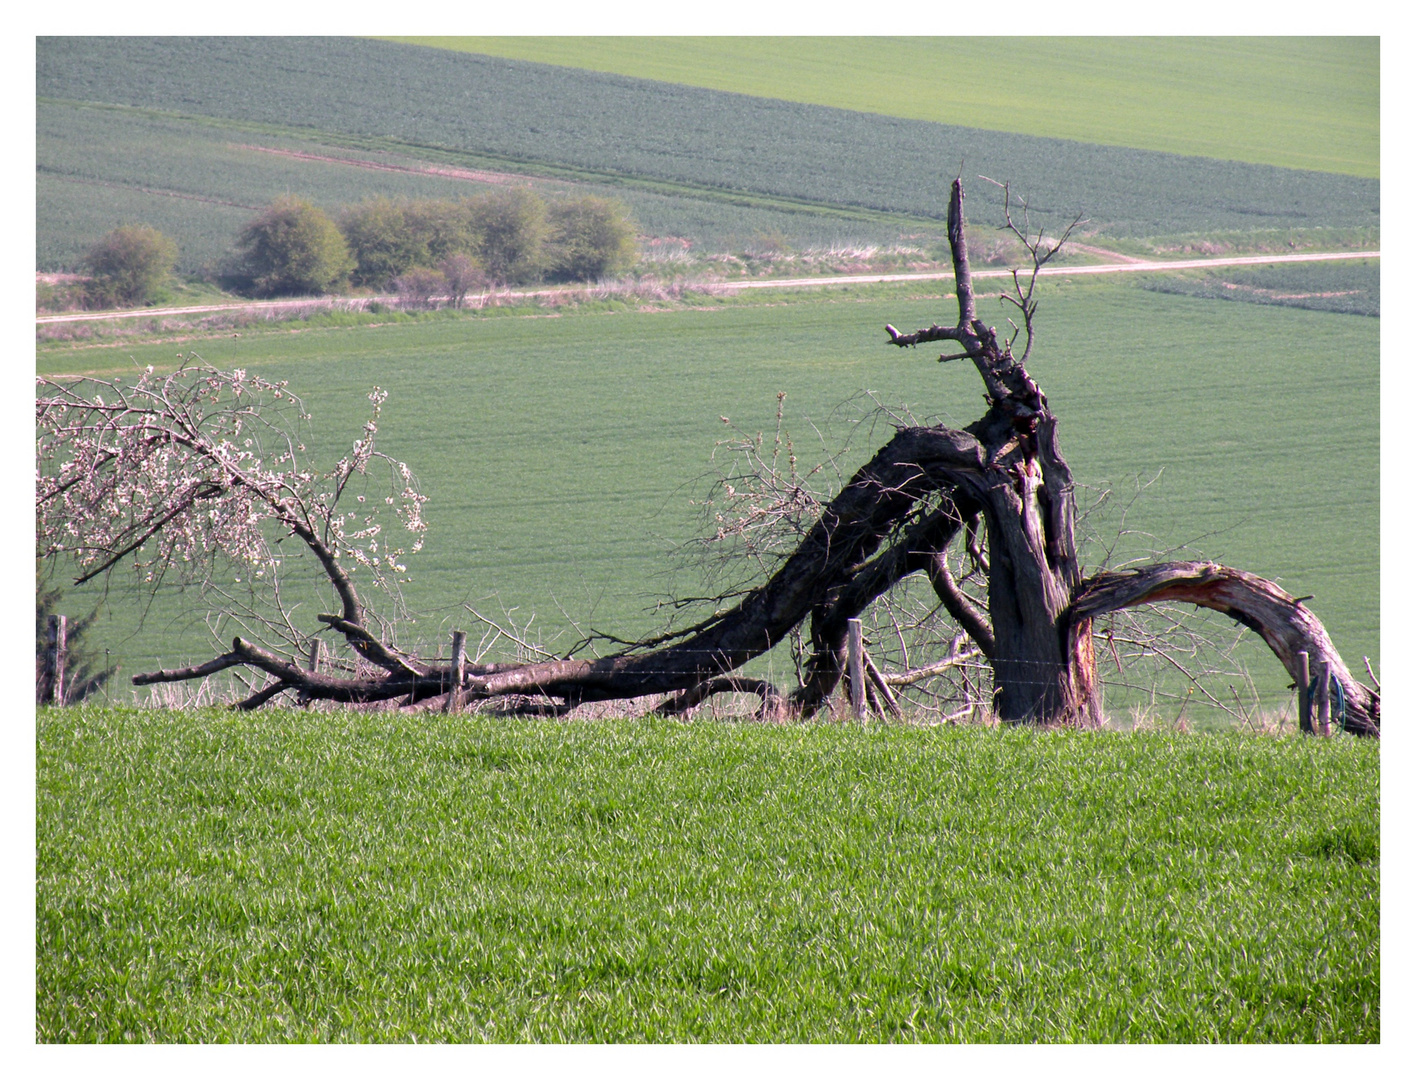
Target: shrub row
(510,237)
(292,247)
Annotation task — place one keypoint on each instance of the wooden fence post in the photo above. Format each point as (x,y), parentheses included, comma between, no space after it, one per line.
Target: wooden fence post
(459,660)
(1324,699)
(1305,708)
(51,691)
(855,666)
(313,665)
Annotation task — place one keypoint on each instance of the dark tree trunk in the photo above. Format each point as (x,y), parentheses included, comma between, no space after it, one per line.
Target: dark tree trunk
(1025,491)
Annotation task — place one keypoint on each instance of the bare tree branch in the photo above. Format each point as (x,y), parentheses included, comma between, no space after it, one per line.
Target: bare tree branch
(1286,626)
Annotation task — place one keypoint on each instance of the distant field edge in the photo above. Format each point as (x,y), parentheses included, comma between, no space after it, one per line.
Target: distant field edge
(1141,267)
(1291,102)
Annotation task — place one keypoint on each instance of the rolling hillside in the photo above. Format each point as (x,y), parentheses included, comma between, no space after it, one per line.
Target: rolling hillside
(1299,103)
(204,129)
(705,166)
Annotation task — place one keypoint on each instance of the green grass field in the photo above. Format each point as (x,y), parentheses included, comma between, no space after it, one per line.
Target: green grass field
(1299,103)
(289,876)
(200,181)
(386,876)
(560,451)
(1352,288)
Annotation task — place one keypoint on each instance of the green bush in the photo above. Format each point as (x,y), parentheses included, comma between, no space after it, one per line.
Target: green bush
(511,228)
(128,265)
(390,238)
(462,273)
(446,226)
(382,240)
(292,247)
(591,238)
(417,287)
(510,235)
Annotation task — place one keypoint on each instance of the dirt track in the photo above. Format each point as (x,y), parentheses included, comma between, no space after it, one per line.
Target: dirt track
(355,303)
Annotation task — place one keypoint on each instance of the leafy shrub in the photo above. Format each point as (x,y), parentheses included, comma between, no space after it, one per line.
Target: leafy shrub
(447,226)
(128,265)
(62,295)
(382,240)
(462,273)
(591,238)
(389,238)
(292,247)
(510,236)
(511,228)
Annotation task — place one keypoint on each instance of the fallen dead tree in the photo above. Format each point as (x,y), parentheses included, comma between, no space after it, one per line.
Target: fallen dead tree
(230,482)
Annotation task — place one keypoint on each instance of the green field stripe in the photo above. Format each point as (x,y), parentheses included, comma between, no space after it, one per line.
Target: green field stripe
(678,134)
(531,167)
(55,174)
(1303,103)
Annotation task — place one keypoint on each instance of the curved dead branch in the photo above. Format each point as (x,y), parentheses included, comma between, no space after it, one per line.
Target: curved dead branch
(773,707)
(1286,626)
(957,604)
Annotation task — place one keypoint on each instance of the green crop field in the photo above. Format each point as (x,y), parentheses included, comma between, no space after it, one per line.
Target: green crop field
(1352,287)
(200,180)
(715,168)
(194,179)
(560,452)
(1300,103)
(384,875)
(291,876)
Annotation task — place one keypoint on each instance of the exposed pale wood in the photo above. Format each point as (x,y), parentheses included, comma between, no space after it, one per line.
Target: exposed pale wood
(896,516)
(56,651)
(1287,627)
(1305,703)
(1324,724)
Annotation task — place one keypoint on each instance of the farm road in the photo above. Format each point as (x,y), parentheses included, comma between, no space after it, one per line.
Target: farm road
(1132,267)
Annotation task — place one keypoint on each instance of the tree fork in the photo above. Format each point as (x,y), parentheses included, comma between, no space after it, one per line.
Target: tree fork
(1040,675)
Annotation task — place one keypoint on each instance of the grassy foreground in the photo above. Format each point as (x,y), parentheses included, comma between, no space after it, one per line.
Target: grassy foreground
(338,876)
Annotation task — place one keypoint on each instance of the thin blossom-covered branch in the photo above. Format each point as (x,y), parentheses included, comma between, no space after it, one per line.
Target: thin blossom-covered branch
(203,474)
